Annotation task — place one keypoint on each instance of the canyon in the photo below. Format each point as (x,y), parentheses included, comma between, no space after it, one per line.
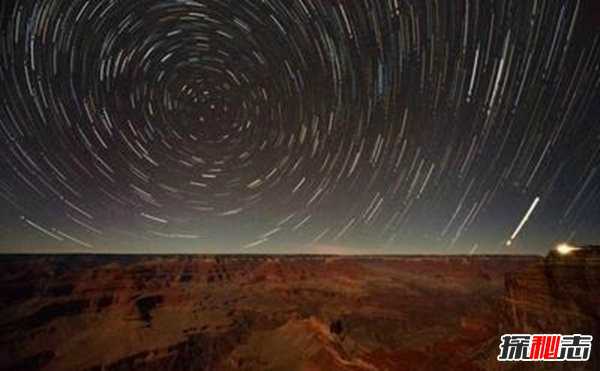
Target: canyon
(260,312)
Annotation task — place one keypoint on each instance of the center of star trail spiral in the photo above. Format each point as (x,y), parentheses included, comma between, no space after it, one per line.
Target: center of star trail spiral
(393,126)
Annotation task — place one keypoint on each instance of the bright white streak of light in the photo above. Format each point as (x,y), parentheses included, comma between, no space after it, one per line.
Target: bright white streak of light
(523,221)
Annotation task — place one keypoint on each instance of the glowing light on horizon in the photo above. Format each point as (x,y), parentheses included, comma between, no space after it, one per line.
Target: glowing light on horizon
(565,249)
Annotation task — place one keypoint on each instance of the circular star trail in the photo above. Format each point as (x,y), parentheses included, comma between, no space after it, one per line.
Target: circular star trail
(227,126)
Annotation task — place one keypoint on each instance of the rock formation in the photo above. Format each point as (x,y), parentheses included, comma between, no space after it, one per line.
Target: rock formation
(281,313)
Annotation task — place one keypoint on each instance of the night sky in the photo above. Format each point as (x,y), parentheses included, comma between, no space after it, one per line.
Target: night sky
(305,126)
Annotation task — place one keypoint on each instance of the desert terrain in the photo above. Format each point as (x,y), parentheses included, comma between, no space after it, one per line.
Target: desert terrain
(237,312)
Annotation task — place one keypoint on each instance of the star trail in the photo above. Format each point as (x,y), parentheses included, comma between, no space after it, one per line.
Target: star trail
(393,126)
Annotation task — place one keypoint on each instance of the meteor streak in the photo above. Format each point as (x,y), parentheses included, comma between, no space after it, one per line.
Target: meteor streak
(523,221)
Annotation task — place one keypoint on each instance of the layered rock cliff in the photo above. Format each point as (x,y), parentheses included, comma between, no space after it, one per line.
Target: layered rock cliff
(557,295)
(248,313)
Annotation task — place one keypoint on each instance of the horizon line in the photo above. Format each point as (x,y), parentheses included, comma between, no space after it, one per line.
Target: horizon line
(265,254)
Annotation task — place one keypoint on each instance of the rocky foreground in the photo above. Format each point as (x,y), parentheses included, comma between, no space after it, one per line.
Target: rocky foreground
(285,313)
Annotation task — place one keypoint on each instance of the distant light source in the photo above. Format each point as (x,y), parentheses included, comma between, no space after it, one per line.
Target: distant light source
(565,249)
